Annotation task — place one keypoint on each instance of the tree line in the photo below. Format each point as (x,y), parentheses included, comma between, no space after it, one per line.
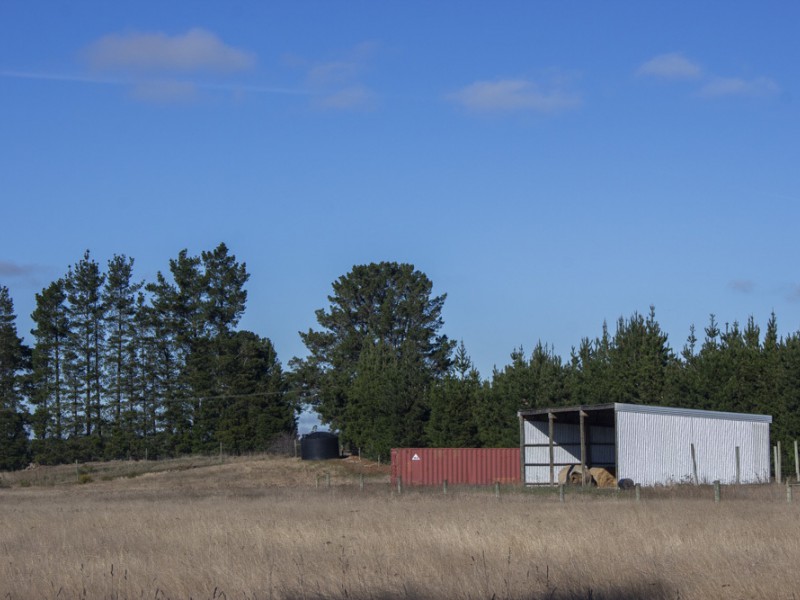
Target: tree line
(123,368)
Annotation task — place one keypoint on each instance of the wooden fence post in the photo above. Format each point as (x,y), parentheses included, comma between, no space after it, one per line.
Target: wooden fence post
(496,489)
(444,487)
(561,492)
(788,492)
(638,489)
(717,491)
(796,463)
(399,485)
(779,472)
(738,467)
(694,465)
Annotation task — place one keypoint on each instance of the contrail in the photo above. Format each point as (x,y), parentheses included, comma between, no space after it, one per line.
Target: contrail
(94,80)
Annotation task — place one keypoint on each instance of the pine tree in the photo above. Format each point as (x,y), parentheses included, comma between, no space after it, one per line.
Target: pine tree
(50,333)
(119,298)
(376,310)
(14,367)
(84,283)
(453,402)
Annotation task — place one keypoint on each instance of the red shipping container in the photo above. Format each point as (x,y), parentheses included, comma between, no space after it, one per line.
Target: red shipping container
(459,466)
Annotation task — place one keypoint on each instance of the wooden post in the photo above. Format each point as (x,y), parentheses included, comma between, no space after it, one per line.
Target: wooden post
(638,489)
(496,489)
(77,473)
(775,463)
(583,448)
(694,465)
(779,472)
(716,491)
(399,485)
(550,430)
(738,467)
(788,492)
(796,463)
(444,487)
(561,492)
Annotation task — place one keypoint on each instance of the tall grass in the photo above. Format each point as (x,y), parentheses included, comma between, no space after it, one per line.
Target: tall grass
(241,531)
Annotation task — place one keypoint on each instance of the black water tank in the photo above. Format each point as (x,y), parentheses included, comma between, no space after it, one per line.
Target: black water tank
(319,445)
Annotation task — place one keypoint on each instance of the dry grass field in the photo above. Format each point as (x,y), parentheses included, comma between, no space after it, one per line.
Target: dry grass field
(261,528)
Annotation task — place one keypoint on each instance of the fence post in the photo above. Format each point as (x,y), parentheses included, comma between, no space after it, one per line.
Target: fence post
(638,489)
(399,485)
(788,492)
(779,472)
(796,463)
(694,465)
(444,487)
(738,467)
(561,492)
(496,489)
(716,491)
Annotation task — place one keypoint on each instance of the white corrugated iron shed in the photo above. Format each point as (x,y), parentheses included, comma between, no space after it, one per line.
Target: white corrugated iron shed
(648,444)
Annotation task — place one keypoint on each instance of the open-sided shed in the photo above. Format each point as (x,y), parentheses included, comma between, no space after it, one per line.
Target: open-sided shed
(647,444)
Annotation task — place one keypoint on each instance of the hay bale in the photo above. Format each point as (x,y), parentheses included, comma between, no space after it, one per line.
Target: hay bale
(571,475)
(603,477)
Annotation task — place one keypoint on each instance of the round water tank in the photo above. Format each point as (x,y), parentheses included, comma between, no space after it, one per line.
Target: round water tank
(319,445)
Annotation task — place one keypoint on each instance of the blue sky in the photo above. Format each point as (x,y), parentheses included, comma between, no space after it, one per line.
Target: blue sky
(549,165)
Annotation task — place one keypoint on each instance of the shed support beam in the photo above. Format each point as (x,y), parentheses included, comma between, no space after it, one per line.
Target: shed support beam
(550,430)
(583,448)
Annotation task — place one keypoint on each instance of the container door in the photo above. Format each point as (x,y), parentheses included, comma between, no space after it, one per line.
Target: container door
(417,469)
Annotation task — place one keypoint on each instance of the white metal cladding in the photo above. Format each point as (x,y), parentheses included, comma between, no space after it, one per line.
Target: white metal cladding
(654,446)
(566,448)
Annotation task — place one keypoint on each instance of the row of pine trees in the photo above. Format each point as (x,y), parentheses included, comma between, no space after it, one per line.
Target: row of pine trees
(122,368)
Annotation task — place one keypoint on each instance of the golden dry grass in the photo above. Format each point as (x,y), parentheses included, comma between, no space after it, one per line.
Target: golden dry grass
(260,528)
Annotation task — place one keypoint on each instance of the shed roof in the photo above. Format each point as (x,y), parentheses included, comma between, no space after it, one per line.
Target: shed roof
(604,413)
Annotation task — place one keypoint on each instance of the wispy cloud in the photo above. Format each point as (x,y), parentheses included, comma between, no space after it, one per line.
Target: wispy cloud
(673,65)
(514,95)
(735,86)
(22,273)
(338,83)
(197,50)
(10,269)
(743,286)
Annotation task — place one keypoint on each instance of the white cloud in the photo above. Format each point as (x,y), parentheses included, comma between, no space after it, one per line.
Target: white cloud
(195,50)
(735,86)
(508,95)
(670,66)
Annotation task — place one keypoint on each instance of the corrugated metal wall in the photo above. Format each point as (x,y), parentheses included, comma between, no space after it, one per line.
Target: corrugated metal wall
(459,466)
(566,448)
(656,448)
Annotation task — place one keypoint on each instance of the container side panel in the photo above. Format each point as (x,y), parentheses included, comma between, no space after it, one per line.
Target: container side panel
(459,466)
